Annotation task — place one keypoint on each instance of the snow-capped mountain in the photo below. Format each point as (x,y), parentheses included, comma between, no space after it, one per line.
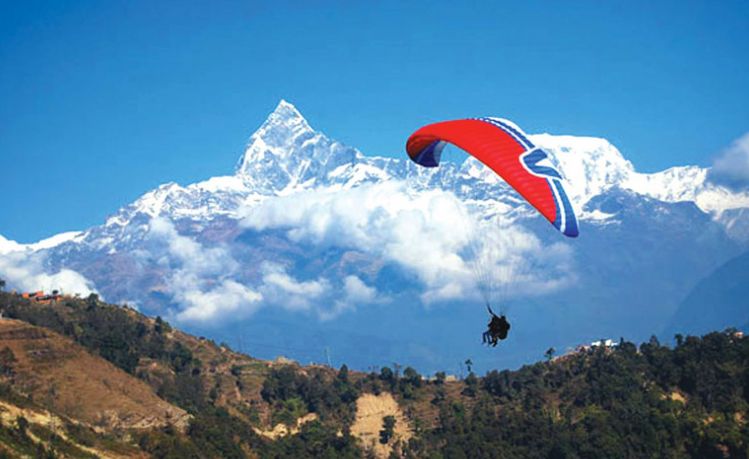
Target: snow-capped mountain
(592,166)
(286,155)
(313,234)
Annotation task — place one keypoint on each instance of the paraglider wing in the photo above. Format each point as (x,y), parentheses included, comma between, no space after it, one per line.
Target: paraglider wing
(504,148)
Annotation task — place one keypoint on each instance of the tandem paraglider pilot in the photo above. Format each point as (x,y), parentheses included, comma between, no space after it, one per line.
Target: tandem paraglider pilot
(498,328)
(504,148)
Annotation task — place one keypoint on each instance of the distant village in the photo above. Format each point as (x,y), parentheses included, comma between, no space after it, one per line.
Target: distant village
(39,297)
(43,298)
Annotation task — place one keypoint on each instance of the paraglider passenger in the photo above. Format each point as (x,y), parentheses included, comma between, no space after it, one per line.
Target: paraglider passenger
(498,329)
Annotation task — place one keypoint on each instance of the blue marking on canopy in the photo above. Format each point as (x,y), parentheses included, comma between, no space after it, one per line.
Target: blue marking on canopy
(430,156)
(532,159)
(518,135)
(571,227)
(558,206)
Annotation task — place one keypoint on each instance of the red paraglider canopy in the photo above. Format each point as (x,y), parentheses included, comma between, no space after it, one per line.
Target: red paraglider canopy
(504,148)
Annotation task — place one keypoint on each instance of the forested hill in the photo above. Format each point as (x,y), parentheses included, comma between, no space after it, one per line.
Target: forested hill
(621,401)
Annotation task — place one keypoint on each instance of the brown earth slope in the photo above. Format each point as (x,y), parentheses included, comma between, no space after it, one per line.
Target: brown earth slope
(57,373)
(370,411)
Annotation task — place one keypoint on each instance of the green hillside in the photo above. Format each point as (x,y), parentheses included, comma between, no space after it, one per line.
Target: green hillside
(622,401)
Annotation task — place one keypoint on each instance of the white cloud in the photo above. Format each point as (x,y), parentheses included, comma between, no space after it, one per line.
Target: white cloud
(731,167)
(429,233)
(192,256)
(281,289)
(25,270)
(7,246)
(355,293)
(200,280)
(421,231)
(229,297)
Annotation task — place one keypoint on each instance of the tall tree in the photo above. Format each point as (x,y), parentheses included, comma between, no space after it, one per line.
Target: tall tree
(388,429)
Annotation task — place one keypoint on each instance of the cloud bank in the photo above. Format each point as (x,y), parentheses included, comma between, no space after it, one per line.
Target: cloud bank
(731,167)
(204,283)
(200,280)
(283,290)
(429,233)
(25,270)
(355,292)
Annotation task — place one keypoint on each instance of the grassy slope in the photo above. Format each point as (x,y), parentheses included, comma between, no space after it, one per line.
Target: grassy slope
(58,373)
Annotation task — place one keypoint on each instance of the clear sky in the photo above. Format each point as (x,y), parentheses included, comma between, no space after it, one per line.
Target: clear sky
(102,101)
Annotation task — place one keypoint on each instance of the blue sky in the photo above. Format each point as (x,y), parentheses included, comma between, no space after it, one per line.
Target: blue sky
(102,101)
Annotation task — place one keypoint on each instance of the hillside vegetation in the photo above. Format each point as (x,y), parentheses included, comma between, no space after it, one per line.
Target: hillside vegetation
(625,401)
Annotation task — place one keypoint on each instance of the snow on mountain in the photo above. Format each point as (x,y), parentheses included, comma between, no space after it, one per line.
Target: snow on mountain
(202,200)
(593,165)
(7,246)
(286,155)
(56,240)
(590,165)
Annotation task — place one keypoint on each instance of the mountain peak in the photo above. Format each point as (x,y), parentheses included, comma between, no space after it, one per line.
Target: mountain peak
(286,110)
(284,120)
(284,128)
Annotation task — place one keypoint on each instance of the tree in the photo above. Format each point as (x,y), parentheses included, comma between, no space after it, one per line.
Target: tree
(343,374)
(92,300)
(412,377)
(2,284)
(550,354)
(161,327)
(388,429)
(471,385)
(22,424)
(387,376)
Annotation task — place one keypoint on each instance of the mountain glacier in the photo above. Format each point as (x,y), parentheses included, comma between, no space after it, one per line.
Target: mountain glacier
(314,237)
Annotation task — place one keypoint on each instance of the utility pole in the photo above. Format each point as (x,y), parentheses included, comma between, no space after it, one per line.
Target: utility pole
(327,356)
(397,368)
